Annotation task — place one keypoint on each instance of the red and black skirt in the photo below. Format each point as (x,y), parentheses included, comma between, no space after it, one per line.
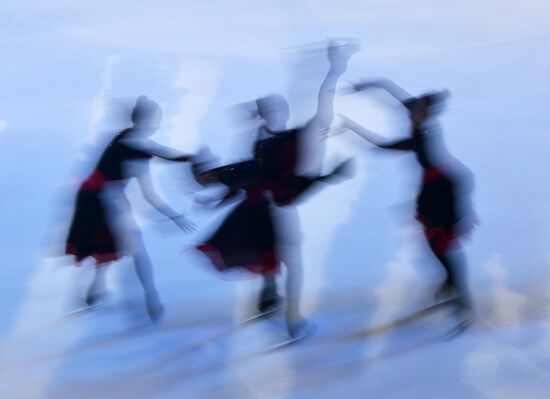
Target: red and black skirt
(437,210)
(245,239)
(90,234)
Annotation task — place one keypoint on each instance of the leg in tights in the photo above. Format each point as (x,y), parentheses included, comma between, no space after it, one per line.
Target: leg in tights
(144,271)
(97,289)
(452,262)
(269,298)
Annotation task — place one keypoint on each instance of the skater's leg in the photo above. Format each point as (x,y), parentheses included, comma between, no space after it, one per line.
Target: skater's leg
(446,260)
(291,256)
(144,271)
(269,298)
(452,262)
(293,290)
(296,324)
(97,290)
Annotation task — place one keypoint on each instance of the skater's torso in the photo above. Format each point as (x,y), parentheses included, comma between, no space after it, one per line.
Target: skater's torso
(112,165)
(277,153)
(445,181)
(423,142)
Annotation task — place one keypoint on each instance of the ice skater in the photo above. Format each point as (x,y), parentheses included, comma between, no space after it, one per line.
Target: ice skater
(252,236)
(443,201)
(102,227)
(273,184)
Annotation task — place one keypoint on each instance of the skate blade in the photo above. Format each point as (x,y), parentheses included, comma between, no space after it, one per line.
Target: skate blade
(85,309)
(307,333)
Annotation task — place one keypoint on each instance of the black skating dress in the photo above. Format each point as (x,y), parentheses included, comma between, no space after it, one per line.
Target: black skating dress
(92,232)
(445,183)
(248,237)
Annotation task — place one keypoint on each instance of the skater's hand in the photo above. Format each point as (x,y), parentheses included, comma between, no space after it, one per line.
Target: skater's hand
(353,87)
(183,223)
(356,87)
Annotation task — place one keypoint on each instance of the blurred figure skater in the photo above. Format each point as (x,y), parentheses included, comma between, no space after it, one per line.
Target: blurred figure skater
(102,226)
(442,204)
(251,236)
(272,183)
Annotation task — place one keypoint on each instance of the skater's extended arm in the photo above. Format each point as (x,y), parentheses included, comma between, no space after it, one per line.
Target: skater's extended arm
(389,86)
(150,195)
(167,153)
(374,138)
(218,201)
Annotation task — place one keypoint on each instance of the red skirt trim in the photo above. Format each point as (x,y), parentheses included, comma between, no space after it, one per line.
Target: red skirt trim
(432,174)
(95,182)
(267,265)
(100,258)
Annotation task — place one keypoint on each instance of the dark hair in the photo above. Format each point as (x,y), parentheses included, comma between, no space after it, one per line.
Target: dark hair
(432,100)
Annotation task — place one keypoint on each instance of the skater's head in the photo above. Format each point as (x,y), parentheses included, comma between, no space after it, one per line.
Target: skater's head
(146,114)
(273,109)
(427,106)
